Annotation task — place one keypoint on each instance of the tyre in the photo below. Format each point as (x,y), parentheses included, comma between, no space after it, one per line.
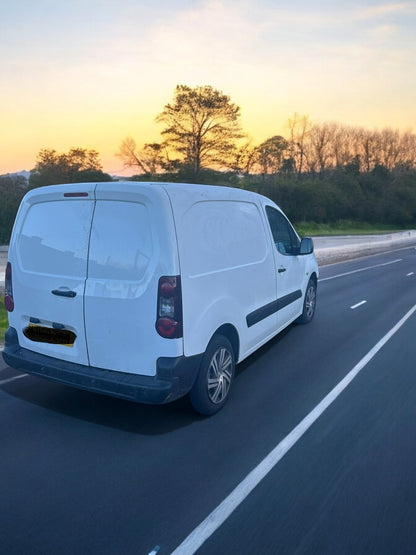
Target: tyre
(213,384)
(309,303)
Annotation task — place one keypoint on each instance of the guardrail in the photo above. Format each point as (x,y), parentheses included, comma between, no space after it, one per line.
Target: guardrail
(329,250)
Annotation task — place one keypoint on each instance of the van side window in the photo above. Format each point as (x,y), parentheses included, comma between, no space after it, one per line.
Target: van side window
(284,236)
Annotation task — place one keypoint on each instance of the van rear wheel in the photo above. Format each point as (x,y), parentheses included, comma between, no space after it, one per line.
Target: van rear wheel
(212,387)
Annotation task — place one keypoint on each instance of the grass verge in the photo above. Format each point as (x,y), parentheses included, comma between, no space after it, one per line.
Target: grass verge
(342,227)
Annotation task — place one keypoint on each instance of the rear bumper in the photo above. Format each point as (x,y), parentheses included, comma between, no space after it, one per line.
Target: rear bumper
(174,378)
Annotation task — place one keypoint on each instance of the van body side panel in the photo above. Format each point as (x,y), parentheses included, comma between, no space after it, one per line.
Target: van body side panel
(48,254)
(130,249)
(227,270)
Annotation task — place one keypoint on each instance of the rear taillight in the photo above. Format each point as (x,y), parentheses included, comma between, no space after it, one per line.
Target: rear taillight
(169,307)
(8,295)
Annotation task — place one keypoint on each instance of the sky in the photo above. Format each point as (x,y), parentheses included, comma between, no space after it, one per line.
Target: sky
(89,73)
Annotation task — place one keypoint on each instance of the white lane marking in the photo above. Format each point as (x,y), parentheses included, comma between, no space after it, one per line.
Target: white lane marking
(155,550)
(357,305)
(2,382)
(219,515)
(410,274)
(361,270)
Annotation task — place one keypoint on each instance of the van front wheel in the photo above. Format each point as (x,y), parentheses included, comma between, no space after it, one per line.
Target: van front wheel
(212,387)
(309,304)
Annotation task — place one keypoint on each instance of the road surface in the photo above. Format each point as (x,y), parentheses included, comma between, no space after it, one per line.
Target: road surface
(314,453)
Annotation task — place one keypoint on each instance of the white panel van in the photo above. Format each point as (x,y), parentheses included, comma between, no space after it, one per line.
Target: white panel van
(150,291)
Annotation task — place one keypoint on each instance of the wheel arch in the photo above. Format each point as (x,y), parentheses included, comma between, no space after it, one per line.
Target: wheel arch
(231,333)
(314,278)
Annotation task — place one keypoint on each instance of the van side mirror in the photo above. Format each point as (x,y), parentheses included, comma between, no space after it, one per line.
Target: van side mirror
(306,246)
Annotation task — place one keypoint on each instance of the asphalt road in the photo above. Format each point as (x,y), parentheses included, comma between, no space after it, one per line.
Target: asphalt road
(82,473)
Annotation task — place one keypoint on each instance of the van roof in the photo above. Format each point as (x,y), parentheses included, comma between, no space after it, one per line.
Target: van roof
(202,191)
(174,190)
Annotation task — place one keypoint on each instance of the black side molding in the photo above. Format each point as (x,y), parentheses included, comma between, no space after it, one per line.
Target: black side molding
(267,310)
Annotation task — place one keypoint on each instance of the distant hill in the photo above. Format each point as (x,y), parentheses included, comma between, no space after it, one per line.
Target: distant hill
(23,173)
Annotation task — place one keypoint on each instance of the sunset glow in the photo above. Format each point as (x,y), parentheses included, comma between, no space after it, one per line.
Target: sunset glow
(89,73)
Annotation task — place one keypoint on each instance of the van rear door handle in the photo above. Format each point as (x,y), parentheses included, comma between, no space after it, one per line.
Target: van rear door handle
(63,293)
(281,270)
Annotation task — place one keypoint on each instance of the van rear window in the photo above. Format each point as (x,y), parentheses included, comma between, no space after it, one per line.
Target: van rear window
(54,238)
(121,241)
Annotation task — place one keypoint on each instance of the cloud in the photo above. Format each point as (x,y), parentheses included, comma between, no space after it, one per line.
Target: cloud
(382,10)
(381,33)
(210,33)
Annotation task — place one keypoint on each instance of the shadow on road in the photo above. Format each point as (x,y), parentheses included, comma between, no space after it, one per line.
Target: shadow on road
(100,409)
(118,413)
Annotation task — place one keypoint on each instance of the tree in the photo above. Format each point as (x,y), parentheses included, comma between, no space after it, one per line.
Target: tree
(152,159)
(320,143)
(244,159)
(12,190)
(299,129)
(202,125)
(270,154)
(366,148)
(344,147)
(76,166)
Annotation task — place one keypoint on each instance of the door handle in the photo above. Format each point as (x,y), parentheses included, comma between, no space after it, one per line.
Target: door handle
(281,270)
(63,293)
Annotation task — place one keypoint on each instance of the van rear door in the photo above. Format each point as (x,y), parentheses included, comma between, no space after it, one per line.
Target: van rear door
(132,245)
(49,264)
